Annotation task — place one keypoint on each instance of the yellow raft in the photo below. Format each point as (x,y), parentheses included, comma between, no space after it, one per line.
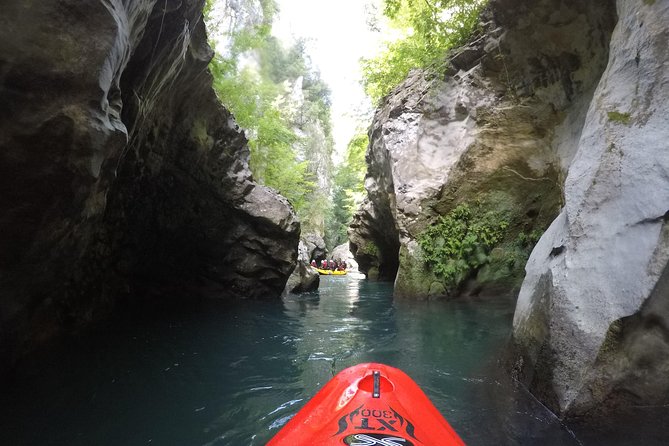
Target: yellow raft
(327,272)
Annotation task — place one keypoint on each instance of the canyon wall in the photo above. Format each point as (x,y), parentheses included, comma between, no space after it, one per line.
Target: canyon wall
(591,328)
(495,132)
(122,175)
(554,118)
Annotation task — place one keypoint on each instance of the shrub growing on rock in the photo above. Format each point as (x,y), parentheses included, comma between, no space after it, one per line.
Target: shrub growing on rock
(459,243)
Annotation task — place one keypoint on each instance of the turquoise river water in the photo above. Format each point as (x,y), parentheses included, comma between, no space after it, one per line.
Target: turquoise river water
(233,375)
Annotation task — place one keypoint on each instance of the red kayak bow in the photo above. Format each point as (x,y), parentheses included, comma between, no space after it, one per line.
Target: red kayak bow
(369,404)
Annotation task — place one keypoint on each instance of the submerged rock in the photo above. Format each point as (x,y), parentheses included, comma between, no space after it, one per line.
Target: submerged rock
(121,172)
(590,328)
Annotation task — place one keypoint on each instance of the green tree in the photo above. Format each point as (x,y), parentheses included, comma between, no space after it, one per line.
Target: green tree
(273,161)
(430,27)
(280,140)
(279,64)
(348,190)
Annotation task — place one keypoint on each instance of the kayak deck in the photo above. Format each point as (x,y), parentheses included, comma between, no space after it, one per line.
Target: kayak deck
(368,404)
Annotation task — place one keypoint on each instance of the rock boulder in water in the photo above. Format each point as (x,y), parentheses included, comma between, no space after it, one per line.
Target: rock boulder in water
(121,173)
(304,278)
(342,252)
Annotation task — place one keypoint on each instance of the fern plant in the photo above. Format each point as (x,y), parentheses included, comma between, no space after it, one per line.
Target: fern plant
(461,242)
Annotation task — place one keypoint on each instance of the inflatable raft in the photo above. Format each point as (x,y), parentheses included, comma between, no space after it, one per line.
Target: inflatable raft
(369,404)
(328,272)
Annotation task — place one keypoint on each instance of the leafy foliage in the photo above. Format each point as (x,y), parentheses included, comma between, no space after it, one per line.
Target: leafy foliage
(278,64)
(616,116)
(430,28)
(461,242)
(270,135)
(253,79)
(517,253)
(208,7)
(348,190)
(369,249)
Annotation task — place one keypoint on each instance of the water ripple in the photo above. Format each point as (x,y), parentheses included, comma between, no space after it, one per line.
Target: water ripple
(258,362)
(283,406)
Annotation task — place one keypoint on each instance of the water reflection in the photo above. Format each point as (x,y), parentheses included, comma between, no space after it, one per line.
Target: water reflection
(219,375)
(336,326)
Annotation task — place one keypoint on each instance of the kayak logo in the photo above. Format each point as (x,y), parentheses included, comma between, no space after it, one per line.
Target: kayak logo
(387,421)
(375,439)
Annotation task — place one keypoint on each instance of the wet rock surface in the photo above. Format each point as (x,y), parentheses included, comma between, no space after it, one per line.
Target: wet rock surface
(343,252)
(122,175)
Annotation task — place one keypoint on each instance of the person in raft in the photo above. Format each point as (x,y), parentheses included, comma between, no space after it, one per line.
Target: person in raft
(313,263)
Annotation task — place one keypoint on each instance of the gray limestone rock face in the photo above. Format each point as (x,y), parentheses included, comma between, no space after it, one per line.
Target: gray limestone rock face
(590,328)
(315,247)
(121,173)
(374,240)
(558,113)
(304,278)
(343,252)
(498,128)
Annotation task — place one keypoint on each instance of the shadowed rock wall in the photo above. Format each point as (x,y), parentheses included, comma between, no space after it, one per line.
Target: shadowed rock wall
(121,173)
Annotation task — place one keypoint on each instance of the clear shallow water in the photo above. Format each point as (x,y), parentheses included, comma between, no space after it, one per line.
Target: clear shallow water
(219,375)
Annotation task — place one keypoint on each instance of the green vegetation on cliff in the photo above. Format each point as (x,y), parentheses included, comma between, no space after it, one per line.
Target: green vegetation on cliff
(348,190)
(461,242)
(279,100)
(616,116)
(429,30)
